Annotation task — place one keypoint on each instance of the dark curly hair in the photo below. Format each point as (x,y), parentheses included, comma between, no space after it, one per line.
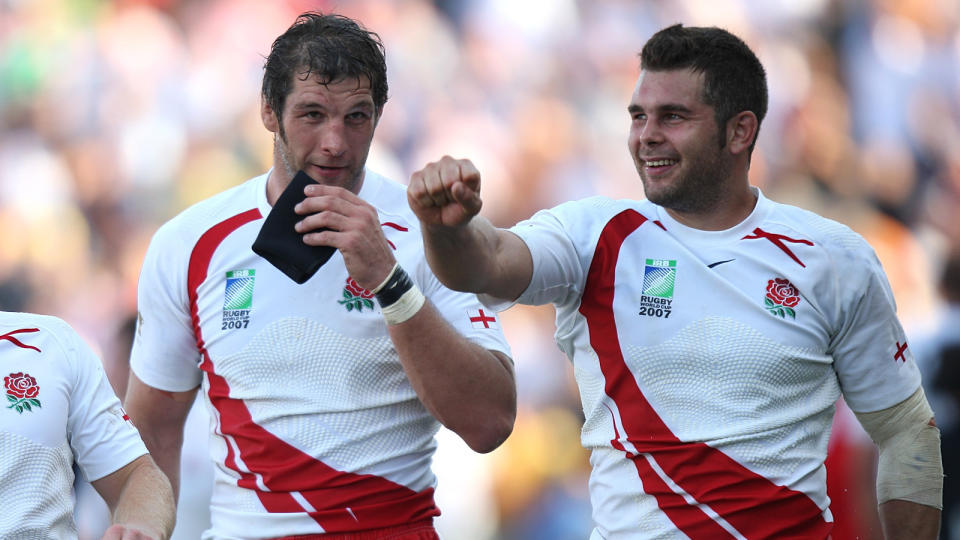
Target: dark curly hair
(328,46)
(734,79)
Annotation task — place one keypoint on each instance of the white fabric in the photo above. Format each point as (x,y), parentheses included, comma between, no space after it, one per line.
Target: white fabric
(311,364)
(712,360)
(405,307)
(73,416)
(910,466)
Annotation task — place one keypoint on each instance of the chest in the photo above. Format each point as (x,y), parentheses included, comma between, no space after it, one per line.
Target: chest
(36,396)
(659,286)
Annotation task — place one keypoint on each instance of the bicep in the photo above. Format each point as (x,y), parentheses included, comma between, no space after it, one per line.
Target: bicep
(514,266)
(158,414)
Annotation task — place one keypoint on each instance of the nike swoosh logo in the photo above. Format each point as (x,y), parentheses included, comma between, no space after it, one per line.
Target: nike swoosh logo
(718,263)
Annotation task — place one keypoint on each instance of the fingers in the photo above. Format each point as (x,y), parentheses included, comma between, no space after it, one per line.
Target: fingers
(332,208)
(446,191)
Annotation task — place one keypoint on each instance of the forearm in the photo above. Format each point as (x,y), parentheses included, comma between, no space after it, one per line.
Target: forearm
(909,521)
(909,469)
(146,501)
(160,416)
(468,389)
(166,453)
(479,258)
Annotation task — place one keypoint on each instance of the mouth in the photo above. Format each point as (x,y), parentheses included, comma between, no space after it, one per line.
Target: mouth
(658,167)
(326,170)
(659,163)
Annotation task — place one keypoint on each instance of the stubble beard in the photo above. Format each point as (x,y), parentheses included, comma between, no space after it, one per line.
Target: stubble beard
(696,190)
(291,168)
(280,147)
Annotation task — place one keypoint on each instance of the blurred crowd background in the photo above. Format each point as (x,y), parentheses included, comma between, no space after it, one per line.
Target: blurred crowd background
(117,114)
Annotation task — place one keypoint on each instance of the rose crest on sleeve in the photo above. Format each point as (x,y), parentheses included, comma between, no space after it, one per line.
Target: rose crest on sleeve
(781,297)
(22,391)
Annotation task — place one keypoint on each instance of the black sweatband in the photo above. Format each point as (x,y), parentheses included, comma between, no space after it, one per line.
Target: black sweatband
(397,284)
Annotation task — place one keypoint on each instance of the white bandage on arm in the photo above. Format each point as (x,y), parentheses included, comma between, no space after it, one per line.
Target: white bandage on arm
(910,467)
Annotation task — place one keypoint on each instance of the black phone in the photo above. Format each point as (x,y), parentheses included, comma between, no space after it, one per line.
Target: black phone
(281,245)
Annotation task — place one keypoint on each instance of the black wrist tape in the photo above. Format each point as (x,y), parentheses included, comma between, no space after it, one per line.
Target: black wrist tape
(398,284)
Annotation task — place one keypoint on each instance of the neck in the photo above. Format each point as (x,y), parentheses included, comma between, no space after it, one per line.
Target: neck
(276,183)
(724,214)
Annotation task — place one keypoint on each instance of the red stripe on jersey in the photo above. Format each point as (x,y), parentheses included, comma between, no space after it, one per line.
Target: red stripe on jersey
(9,337)
(752,504)
(696,523)
(341,501)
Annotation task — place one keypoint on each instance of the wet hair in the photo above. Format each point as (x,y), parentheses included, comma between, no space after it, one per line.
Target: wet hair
(328,46)
(734,79)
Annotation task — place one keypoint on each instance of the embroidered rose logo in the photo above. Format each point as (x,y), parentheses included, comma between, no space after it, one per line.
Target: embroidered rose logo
(22,391)
(355,296)
(782,297)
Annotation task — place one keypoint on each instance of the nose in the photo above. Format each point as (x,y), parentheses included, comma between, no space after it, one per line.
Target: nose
(333,139)
(649,133)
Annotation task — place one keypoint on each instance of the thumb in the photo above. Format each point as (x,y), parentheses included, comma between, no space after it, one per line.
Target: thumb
(468,198)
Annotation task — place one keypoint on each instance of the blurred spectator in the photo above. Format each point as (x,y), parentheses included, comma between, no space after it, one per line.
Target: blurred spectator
(116,114)
(938,355)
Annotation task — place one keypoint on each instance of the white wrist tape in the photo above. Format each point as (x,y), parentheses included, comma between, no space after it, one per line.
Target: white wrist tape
(910,466)
(386,280)
(407,306)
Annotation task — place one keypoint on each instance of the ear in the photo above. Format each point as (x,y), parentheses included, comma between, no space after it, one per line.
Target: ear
(741,131)
(268,117)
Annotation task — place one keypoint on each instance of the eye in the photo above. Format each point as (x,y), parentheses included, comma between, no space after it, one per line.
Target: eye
(357,117)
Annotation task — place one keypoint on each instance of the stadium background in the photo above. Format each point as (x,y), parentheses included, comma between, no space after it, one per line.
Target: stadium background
(117,114)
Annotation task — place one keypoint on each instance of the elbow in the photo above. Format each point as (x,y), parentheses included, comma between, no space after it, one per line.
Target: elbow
(488,434)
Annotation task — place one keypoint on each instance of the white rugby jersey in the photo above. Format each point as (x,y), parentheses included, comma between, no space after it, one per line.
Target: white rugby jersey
(709,362)
(315,427)
(59,409)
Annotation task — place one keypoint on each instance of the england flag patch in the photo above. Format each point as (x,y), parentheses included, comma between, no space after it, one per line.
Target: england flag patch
(481,319)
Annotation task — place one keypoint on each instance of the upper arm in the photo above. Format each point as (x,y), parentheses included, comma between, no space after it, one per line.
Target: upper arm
(872,358)
(101,436)
(158,414)
(514,266)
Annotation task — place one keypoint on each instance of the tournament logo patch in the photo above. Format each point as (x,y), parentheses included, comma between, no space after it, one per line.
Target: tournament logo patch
(22,391)
(659,278)
(238,299)
(781,298)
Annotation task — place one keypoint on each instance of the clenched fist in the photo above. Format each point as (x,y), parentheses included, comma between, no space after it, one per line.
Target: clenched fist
(445,192)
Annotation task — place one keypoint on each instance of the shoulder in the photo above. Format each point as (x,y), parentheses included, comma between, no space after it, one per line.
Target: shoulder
(191,223)
(840,246)
(825,232)
(597,211)
(41,331)
(389,197)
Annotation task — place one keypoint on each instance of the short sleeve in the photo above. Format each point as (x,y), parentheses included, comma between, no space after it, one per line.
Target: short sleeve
(872,358)
(101,435)
(558,273)
(165,353)
(464,312)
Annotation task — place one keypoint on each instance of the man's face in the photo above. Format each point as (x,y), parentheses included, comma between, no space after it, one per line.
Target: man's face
(326,130)
(675,141)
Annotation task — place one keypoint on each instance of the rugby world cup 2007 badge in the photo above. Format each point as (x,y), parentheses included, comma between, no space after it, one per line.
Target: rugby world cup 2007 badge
(659,277)
(238,299)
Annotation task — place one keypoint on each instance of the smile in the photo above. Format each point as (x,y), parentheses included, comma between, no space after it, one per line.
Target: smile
(660,162)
